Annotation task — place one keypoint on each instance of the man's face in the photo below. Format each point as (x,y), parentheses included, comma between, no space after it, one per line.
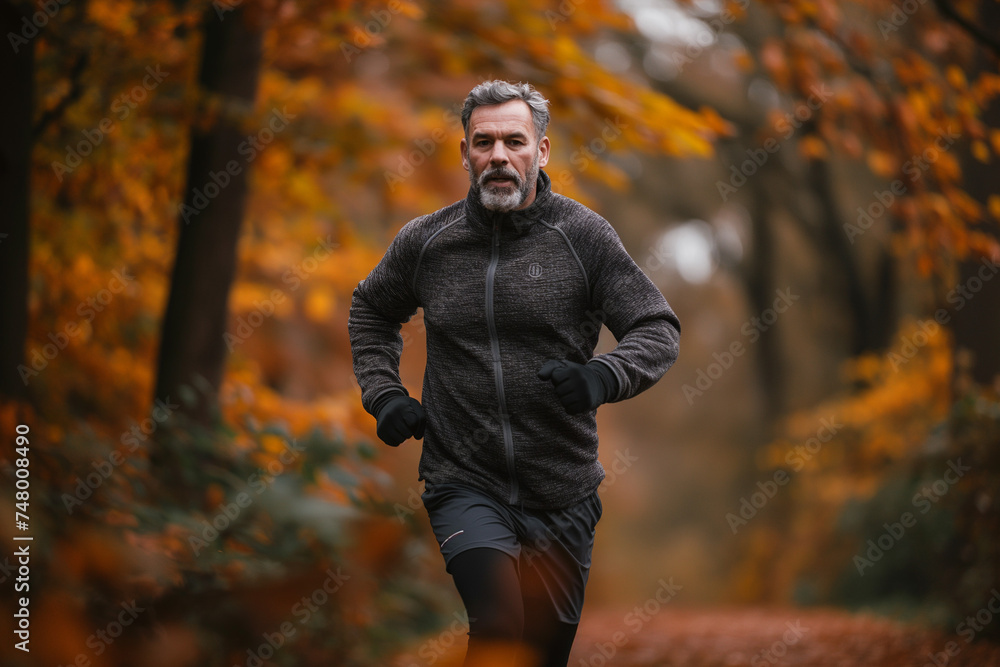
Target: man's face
(503,156)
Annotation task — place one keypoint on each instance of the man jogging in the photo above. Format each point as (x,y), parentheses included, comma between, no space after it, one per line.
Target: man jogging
(515,282)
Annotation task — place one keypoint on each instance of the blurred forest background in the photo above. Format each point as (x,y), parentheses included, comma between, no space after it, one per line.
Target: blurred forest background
(191,190)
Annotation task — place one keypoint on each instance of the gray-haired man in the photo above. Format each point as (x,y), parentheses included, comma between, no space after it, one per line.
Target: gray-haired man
(515,282)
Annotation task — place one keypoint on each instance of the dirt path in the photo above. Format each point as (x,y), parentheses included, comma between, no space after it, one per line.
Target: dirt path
(667,636)
(763,637)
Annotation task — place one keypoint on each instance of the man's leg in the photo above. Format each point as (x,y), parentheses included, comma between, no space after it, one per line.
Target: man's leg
(481,541)
(549,636)
(487,580)
(480,549)
(554,568)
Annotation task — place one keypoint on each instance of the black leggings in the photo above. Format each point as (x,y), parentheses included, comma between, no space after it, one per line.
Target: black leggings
(503,607)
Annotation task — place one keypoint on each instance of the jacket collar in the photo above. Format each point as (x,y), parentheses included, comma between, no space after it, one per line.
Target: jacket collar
(518,221)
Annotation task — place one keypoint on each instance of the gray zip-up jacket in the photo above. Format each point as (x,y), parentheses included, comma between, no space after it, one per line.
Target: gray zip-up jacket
(502,293)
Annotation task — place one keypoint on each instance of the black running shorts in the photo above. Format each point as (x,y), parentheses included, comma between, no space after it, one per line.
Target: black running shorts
(558,543)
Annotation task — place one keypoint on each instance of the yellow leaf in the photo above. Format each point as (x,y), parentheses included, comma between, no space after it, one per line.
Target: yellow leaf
(813,148)
(272,444)
(84,266)
(410,9)
(246,296)
(319,304)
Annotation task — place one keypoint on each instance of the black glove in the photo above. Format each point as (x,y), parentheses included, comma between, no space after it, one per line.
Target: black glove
(398,417)
(580,387)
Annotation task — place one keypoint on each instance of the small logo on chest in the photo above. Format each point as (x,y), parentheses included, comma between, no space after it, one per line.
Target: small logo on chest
(535,270)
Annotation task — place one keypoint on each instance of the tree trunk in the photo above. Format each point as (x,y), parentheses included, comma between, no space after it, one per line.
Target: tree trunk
(192,350)
(976,322)
(17,70)
(760,286)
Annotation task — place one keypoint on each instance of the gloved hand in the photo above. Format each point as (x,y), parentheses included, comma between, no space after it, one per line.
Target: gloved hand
(398,418)
(580,387)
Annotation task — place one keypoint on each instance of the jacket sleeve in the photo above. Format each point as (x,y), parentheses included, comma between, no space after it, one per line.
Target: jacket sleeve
(381,303)
(645,326)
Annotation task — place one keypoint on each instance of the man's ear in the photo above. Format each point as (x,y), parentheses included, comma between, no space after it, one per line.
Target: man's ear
(543,152)
(463,146)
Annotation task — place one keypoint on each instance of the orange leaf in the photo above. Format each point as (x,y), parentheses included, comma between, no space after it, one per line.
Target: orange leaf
(993,204)
(881,163)
(980,151)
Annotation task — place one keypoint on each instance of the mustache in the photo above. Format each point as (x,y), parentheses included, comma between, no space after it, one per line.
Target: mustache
(500,172)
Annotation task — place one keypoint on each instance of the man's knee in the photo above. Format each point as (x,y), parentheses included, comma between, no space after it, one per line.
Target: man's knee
(497,624)
(487,581)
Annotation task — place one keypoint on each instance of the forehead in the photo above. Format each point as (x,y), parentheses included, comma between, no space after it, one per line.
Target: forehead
(508,117)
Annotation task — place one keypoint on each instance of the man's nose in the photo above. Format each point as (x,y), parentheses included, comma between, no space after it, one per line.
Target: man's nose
(498,156)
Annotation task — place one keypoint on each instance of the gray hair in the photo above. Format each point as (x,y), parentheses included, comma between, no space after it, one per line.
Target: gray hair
(498,92)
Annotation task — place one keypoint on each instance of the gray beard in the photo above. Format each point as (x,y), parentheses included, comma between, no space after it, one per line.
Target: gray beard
(501,199)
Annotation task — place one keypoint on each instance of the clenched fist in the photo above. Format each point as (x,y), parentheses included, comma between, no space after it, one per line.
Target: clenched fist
(580,387)
(399,418)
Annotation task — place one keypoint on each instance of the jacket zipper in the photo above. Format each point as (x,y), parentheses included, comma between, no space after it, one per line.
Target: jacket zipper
(508,436)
